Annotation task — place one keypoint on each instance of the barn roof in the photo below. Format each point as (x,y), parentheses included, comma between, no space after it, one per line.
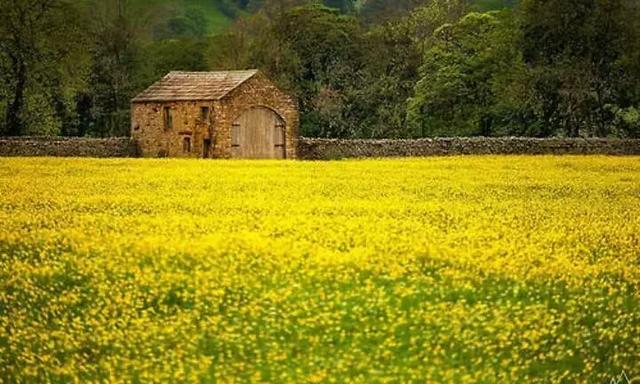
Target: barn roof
(186,86)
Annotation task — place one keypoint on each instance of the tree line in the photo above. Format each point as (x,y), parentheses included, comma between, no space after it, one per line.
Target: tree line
(393,69)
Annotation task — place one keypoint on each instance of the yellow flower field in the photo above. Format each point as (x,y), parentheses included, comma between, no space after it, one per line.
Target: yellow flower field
(439,270)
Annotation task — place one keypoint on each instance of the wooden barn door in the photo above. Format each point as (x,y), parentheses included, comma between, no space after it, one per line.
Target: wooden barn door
(258,134)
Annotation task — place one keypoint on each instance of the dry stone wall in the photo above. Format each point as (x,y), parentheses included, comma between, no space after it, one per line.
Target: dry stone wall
(68,146)
(327,149)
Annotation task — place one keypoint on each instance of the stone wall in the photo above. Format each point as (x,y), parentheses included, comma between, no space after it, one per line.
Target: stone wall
(148,130)
(327,149)
(68,146)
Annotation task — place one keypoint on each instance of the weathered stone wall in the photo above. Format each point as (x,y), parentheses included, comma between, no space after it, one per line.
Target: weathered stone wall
(68,146)
(148,130)
(326,149)
(258,92)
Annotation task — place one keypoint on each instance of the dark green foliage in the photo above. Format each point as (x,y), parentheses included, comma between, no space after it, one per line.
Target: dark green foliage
(377,11)
(372,69)
(189,23)
(553,68)
(37,67)
(394,56)
(463,73)
(583,55)
(492,5)
(328,50)
(344,6)
(115,62)
(313,51)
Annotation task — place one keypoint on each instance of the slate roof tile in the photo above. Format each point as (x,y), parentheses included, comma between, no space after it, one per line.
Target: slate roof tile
(187,86)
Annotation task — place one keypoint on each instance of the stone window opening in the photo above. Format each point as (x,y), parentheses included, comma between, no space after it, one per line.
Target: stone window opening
(206,148)
(168,118)
(204,114)
(186,145)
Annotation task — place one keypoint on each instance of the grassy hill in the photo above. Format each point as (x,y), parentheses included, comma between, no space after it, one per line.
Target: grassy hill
(210,17)
(213,12)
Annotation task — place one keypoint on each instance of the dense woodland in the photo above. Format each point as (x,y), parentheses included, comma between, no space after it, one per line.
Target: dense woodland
(377,68)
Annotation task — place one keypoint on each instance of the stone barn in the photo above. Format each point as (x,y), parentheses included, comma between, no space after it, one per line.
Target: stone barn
(230,114)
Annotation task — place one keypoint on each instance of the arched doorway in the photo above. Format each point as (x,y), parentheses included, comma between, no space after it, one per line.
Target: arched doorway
(259,133)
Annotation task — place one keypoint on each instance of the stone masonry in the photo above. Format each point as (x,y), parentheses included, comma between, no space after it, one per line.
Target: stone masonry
(68,146)
(245,90)
(328,149)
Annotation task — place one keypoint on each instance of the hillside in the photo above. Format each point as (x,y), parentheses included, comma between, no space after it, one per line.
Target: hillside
(210,17)
(193,17)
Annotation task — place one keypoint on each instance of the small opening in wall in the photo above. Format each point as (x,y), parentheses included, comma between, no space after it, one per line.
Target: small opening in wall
(168,118)
(204,114)
(136,127)
(186,145)
(206,148)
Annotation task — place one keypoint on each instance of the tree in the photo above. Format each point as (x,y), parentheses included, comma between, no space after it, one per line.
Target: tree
(278,7)
(315,52)
(394,55)
(381,11)
(35,43)
(461,77)
(345,6)
(580,53)
(235,48)
(115,53)
(350,82)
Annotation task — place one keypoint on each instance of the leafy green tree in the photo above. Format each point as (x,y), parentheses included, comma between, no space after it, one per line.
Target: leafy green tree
(580,53)
(115,61)
(350,82)
(316,53)
(37,41)
(235,48)
(278,7)
(394,56)
(344,6)
(391,70)
(160,57)
(381,11)
(461,77)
